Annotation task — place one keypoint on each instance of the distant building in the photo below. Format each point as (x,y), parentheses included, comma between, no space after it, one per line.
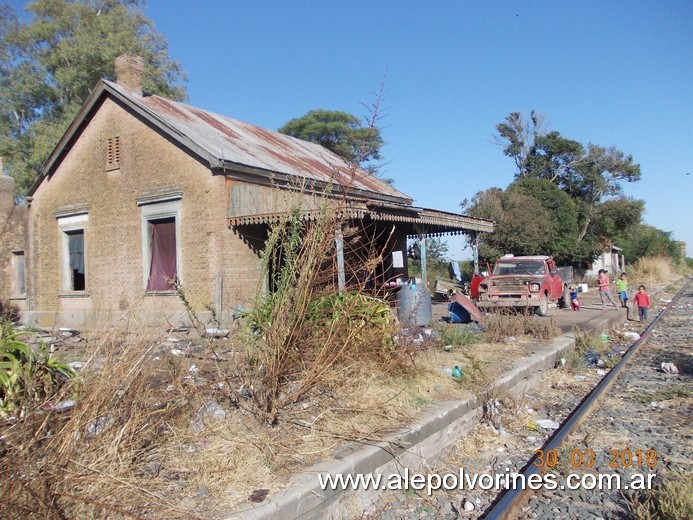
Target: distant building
(682,247)
(612,260)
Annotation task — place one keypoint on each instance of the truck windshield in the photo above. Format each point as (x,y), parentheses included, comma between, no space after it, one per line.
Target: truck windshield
(531,267)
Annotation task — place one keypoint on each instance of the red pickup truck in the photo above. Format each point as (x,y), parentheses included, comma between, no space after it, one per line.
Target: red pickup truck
(524,282)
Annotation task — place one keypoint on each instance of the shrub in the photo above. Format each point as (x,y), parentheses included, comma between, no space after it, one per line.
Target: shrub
(672,499)
(26,378)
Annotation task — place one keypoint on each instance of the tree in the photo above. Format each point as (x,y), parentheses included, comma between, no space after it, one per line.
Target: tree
(50,65)
(589,174)
(563,212)
(339,132)
(522,226)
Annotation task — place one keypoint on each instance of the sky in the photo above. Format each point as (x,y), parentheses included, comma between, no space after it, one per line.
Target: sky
(609,73)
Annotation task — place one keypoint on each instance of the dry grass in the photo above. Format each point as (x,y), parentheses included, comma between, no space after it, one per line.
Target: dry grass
(128,448)
(651,271)
(499,327)
(671,500)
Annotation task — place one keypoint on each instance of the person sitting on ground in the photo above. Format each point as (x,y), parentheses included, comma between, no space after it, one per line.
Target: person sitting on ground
(642,300)
(574,298)
(604,291)
(622,288)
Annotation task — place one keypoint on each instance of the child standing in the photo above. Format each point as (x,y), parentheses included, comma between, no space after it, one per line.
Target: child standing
(622,288)
(604,292)
(574,299)
(642,300)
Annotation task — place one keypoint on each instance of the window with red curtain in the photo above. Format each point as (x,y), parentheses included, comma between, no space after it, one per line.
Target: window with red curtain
(162,267)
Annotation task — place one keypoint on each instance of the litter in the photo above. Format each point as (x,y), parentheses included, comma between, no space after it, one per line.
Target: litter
(669,368)
(632,335)
(591,358)
(547,424)
(531,426)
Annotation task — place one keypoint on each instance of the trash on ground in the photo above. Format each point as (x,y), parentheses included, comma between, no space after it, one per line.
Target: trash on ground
(669,368)
(592,358)
(632,335)
(547,424)
(532,426)
(215,332)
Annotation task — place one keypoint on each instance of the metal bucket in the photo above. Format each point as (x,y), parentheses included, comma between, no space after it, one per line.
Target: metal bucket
(414,305)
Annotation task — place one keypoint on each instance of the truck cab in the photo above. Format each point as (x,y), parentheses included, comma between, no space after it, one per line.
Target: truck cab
(522,282)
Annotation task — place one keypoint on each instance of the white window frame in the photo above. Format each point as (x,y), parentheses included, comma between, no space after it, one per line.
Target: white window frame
(156,210)
(66,225)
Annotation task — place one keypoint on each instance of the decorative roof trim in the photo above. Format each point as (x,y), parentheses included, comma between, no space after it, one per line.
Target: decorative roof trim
(432,222)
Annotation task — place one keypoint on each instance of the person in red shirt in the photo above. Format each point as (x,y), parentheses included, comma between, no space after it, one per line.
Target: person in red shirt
(642,300)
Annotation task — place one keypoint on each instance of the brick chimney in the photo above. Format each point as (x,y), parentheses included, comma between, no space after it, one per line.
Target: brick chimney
(129,70)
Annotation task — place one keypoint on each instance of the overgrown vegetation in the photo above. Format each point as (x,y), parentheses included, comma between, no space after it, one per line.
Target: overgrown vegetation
(454,336)
(670,500)
(499,327)
(27,379)
(651,271)
(586,342)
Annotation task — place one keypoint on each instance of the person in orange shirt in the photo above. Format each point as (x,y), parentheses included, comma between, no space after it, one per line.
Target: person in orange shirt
(642,300)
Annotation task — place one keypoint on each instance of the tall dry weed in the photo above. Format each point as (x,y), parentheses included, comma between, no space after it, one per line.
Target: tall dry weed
(305,327)
(651,271)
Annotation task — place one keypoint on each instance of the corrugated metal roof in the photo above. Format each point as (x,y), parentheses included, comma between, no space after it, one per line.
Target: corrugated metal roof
(234,142)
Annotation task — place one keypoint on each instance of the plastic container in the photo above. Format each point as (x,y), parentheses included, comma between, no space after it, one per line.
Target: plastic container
(414,306)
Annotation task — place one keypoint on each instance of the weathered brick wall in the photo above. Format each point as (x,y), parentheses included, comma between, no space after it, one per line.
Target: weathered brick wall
(113,235)
(12,240)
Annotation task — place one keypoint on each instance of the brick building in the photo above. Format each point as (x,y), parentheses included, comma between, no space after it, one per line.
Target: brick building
(141,189)
(13,218)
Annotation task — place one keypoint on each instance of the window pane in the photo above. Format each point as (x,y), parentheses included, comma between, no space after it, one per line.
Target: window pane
(20,286)
(75,246)
(162,269)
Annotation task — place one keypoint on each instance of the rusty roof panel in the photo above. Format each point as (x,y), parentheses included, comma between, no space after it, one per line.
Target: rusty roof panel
(233,141)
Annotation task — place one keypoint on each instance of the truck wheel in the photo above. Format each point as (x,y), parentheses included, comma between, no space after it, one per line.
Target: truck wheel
(543,308)
(564,302)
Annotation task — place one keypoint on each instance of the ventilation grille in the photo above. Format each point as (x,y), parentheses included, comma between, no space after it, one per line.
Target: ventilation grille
(113,153)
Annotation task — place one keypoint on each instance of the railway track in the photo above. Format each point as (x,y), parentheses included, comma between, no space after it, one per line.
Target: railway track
(623,439)
(641,411)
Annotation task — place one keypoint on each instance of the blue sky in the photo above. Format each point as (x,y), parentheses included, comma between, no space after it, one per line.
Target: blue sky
(610,73)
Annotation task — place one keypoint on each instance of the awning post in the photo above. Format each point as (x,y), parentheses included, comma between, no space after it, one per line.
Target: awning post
(339,242)
(475,251)
(422,248)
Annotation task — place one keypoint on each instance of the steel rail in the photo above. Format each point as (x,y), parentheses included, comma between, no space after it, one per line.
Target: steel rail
(504,506)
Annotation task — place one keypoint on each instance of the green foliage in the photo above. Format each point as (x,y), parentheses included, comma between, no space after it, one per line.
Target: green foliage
(456,335)
(50,65)
(648,241)
(26,378)
(566,199)
(341,133)
(520,223)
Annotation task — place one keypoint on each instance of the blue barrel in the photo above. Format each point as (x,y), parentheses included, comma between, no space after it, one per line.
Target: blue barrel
(414,305)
